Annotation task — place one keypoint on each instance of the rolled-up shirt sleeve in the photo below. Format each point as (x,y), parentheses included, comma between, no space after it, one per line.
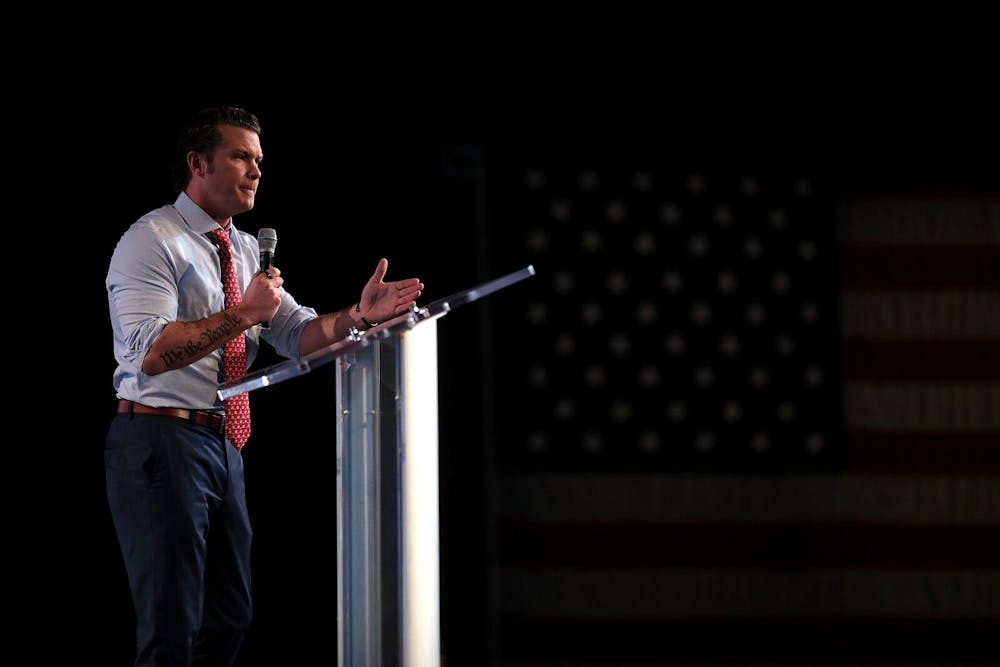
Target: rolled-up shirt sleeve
(142,292)
(287,326)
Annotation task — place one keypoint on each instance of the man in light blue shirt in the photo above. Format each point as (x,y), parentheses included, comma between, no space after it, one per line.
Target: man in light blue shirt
(174,481)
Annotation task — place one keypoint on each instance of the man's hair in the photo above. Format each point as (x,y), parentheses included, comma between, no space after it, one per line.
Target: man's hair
(202,134)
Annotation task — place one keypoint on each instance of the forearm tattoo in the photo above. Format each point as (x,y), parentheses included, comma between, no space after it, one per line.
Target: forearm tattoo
(207,339)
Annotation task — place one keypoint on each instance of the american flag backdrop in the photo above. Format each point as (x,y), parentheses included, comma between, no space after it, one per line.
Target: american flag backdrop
(745,416)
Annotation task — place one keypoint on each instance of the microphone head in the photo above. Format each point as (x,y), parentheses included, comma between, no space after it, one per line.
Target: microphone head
(267,239)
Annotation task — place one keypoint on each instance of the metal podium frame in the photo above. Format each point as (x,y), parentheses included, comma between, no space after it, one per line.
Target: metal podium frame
(388,607)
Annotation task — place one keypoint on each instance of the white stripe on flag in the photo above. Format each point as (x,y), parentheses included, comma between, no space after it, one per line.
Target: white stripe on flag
(941,222)
(914,408)
(920,315)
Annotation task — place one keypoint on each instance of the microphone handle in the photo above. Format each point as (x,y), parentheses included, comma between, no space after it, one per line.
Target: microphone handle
(265,264)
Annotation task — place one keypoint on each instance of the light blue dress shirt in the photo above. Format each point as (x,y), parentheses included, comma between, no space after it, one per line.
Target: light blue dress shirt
(165,268)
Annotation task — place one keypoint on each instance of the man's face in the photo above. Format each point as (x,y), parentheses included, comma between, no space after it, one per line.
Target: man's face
(232,175)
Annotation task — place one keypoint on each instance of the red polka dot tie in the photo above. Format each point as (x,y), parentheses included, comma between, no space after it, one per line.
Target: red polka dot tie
(234,357)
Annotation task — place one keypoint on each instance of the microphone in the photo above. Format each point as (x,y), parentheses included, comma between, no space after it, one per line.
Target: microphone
(267,239)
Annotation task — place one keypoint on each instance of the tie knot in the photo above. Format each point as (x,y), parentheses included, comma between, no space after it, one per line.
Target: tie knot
(220,236)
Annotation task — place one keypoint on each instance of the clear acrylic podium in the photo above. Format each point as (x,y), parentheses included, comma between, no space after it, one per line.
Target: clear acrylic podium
(388,608)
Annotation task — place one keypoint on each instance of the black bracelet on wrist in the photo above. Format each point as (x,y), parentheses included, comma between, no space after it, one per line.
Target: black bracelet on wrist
(357,309)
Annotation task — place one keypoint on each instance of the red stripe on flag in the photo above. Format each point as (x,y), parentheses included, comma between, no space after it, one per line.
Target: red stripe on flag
(742,640)
(660,545)
(935,360)
(921,185)
(919,267)
(942,453)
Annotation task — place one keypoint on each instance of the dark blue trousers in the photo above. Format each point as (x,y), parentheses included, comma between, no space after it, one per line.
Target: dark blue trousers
(176,494)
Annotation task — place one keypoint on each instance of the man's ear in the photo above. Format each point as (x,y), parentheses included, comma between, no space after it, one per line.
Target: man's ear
(197,163)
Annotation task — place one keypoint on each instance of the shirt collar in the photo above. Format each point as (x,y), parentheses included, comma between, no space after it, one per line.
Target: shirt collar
(199,221)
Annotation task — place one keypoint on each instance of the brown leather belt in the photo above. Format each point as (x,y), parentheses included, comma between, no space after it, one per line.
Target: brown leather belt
(212,421)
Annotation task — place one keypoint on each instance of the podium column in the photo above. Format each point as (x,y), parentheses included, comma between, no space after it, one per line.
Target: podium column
(421,574)
(388,608)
